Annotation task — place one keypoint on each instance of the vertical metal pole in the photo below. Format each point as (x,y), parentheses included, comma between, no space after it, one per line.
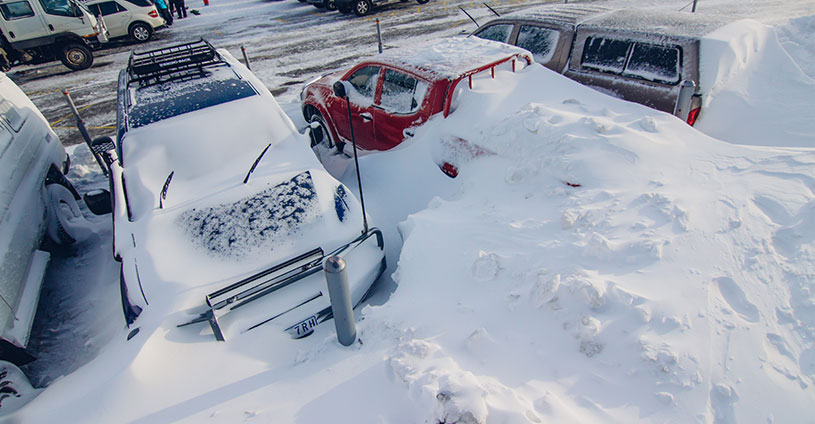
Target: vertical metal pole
(245,58)
(379,35)
(82,130)
(693,9)
(356,164)
(336,278)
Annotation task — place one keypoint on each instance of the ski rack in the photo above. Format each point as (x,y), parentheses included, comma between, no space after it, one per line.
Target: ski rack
(179,62)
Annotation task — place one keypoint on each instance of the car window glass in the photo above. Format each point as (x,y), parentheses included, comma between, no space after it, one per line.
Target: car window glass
(654,63)
(498,32)
(540,41)
(108,8)
(364,80)
(141,3)
(20,9)
(402,93)
(60,8)
(11,116)
(605,54)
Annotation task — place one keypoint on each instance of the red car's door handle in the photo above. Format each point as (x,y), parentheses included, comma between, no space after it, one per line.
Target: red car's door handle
(366,116)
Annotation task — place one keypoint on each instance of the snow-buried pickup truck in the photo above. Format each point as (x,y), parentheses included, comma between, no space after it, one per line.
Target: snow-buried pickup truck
(219,205)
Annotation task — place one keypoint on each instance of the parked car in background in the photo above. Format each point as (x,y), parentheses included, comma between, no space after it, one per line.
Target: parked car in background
(35,199)
(36,31)
(361,7)
(137,19)
(648,57)
(400,89)
(219,203)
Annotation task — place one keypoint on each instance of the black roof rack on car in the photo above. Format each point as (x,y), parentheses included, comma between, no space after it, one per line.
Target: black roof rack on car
(178,62)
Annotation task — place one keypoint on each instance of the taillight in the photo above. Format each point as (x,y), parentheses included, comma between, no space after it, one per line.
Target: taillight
(694,115)
(153,14)
(449,169)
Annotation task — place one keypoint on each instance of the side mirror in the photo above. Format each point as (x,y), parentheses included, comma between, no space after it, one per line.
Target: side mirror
(98,201)
(339,89)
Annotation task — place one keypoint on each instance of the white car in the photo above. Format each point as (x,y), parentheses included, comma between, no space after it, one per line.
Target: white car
(222,213)
(137,19)
(35,199)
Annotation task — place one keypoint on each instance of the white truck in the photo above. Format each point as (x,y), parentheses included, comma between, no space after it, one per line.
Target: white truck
(37,31)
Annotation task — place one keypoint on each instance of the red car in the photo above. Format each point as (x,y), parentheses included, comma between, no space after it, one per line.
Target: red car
(397,90)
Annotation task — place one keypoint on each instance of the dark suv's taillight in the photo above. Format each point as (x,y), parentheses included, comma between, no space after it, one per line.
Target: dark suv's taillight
(694,115)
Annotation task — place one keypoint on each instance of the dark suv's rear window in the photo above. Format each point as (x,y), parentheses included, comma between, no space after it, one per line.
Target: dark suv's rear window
(161,101)
(640,60)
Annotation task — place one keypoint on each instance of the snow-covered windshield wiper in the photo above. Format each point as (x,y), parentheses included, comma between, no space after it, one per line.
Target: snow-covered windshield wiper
(254,165)
(163,195)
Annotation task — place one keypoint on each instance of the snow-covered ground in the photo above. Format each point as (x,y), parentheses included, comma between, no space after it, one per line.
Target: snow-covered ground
(607,264)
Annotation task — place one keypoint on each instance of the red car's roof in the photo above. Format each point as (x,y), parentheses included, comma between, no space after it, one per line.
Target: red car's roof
(449,58)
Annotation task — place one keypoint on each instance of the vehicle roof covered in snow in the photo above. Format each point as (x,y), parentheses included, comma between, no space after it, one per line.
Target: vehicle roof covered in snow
(449,58)
(569,14)
(658,22)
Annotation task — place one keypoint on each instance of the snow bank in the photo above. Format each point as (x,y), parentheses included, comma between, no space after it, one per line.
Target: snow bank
(608,263)
(755,93)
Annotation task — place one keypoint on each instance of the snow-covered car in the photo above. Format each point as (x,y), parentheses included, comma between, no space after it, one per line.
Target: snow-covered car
(648,57)
(137,19)
(393,92)
(219,205)
(35,199)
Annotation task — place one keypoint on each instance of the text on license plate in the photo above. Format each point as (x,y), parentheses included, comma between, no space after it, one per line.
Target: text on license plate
(303,328)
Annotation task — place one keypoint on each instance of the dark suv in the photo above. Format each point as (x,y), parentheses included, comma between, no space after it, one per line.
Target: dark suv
(364,7)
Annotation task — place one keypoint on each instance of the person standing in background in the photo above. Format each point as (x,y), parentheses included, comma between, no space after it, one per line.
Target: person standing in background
(180,8)
(165,13)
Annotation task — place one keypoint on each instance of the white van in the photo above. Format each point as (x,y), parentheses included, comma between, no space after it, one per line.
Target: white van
(137,19)
(35,199)
(36,31)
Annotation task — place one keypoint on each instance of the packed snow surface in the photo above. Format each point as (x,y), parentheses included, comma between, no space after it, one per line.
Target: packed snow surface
(597,261)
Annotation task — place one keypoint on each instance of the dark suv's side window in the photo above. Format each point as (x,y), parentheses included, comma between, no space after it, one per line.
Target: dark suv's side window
(364,80)
(605,54)
(655,63)
(19,9)
(498,32)
(538,40)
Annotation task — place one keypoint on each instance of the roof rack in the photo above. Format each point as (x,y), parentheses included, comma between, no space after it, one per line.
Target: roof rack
(181,61)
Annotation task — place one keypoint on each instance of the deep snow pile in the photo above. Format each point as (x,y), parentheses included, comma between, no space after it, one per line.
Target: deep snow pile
(609,263)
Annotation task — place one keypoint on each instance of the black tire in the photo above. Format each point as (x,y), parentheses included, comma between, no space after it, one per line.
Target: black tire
(362,7)
(140,32)
(76,56)
(422,1)
(330,5)
(66,224)
(320,136)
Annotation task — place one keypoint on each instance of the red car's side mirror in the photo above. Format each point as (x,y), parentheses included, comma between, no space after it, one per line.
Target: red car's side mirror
(339,89)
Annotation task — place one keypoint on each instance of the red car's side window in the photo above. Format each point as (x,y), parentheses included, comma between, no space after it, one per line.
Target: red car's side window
(402,93)
(364,81)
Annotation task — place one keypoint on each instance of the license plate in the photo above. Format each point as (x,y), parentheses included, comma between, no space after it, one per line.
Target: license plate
(303,328)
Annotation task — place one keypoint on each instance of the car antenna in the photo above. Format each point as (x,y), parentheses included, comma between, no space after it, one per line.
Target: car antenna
(339,91)
(492,10)
(254,165)
(468,15)
(163,196)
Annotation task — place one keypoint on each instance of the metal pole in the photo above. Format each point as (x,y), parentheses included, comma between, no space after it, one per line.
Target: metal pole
(245,58)
(336,278)
(693,9)
(356,164)
(379,35)
(84,131)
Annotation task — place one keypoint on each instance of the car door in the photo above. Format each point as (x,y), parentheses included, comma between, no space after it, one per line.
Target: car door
(401,105)
(364,82)
(63,16)
(116,17)
(21,22)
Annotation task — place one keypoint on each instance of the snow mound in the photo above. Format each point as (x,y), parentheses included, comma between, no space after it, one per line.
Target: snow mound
(606,263)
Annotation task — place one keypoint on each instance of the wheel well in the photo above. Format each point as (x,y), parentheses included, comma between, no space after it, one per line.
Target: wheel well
(309,111)
(134,23)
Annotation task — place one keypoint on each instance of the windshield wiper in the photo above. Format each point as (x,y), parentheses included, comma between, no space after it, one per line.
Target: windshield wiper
(254,165)
(163,195)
